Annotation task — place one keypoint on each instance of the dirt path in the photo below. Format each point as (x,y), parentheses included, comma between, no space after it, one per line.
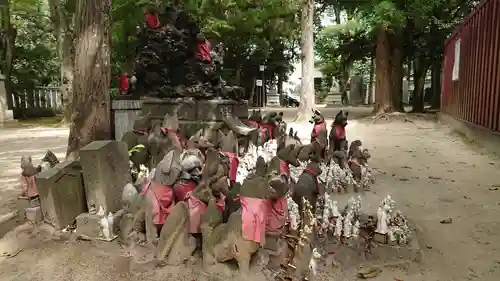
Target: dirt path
(18,142)
(431,174)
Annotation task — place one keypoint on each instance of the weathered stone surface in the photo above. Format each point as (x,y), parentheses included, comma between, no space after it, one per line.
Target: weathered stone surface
(34,215)
(88,225)
(62,195)
(5,113)
(124,113)
(21,204)
(195,114)
(105,168)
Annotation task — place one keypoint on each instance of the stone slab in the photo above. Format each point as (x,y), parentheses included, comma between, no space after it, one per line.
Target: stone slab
(34,215)
(124,112)
(88,225)
(62,195)
(105,167)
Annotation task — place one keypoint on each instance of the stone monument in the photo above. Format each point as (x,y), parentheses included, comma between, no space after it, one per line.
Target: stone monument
(357,91)
(176,72)
(334,94)
(5,113)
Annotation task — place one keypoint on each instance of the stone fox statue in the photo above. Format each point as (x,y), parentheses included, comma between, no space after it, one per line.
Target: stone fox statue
(308,186)
(319,133)
(139,136)
(338,137)
(245,229)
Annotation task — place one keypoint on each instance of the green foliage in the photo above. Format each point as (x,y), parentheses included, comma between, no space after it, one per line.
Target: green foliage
(339,45)
(136,148)
(35,61)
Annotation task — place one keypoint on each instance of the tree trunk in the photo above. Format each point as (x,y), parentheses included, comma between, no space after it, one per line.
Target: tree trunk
(436,84)
(397,74)
(307,99)
(383,68)
(420,67)
(281,80)
(344,77)
(9,39)
(91,100)
(64,37)
(370,82)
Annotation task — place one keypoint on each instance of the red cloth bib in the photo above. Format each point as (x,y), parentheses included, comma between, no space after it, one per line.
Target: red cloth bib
(196,208)
(316,129)
(233,164)
(253,123)
(29,185)
(204,51)
(315,177)
(270,128)
(340,131)
(254,212)
(152,20)
(277,216)
(285,168)
(123,83)
(182,188)
(162,200)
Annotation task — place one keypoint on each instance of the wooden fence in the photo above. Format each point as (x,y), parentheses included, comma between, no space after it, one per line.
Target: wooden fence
(471,69)
(39,102)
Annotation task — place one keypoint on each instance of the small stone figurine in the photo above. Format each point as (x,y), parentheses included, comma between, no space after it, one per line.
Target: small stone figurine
(338,226)
(382,220)
(335,209)
(392,237)
(348,224)
(355,229)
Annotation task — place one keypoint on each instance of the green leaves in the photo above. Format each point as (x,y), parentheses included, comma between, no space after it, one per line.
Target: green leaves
(136,148)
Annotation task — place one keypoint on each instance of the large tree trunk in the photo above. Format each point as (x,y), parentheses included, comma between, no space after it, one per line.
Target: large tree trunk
(436,84)
(370,82)
(344,77)
(388,73)
(91,100)
(420,67)
(8,44)
(64,37)
(383,70)
(397,74)
(307,95)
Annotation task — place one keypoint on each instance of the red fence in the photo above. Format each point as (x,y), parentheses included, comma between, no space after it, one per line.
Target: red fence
(474,94)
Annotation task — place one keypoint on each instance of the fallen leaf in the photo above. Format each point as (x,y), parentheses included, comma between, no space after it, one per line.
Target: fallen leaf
(446,221)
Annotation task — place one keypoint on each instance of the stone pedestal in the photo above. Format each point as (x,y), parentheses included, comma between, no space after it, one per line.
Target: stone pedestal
(5,113)
(195,114)
(333,98)
(105,167)
(62,195)
(123,115)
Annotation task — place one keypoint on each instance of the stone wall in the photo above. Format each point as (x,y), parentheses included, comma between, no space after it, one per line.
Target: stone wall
(193,114)
(123,114)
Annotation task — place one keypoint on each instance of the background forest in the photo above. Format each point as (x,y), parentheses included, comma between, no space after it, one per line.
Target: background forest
(382,39)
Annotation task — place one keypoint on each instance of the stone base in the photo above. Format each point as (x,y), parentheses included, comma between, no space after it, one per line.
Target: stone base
(195,114)
(34,215)
(88,225)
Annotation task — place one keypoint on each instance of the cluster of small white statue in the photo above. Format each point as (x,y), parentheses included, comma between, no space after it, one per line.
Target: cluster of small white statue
(333,221)
(335,178)
(392,223)
(248,161)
